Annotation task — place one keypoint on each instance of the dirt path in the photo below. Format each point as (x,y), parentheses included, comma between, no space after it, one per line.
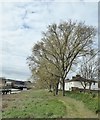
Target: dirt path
(76,109)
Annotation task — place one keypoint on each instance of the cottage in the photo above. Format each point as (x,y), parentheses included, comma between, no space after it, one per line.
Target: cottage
(78,82)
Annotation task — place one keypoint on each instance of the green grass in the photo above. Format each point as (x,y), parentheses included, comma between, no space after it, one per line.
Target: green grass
(42,109)
(42,104)
(36,104)
(90,100)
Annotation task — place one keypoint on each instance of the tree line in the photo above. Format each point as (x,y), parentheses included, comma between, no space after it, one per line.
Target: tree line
(58,51)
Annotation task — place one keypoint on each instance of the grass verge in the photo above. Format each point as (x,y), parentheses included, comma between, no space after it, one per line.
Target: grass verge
(90,100)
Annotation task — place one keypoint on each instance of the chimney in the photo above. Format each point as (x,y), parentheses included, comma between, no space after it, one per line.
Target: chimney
(73,77)
(78,76)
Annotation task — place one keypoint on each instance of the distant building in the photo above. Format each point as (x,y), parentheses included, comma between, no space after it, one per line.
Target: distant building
(11,83)
(76,83)
(2,82)
(28,84)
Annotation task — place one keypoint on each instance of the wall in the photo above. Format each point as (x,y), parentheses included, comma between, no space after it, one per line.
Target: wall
(94,86)
(69,85)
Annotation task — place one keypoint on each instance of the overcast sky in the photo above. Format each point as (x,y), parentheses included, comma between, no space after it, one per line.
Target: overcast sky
(21,24)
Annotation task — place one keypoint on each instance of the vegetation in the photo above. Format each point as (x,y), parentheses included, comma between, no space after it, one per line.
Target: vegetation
(89,70)
(42,104)
(59,49)
(90,100)
(34,104)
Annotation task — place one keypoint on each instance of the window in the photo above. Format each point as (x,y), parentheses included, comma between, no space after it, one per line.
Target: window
(94,83)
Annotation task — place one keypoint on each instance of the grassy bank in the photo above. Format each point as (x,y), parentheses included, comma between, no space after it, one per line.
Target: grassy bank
(42,104)
(34,104)
(90,100)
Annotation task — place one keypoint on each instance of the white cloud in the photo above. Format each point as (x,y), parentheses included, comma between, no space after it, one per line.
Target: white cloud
(23,22)
(49,0)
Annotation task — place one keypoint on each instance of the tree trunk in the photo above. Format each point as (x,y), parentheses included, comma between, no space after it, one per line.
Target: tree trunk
(53,90)
(57,88)
(50,88)
(63,87)
(84,89)
(90,87)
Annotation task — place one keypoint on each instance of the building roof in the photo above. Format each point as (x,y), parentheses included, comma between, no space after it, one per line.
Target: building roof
(11,80)
(79,78)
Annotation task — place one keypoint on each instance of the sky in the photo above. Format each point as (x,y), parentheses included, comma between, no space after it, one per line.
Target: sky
(22,23)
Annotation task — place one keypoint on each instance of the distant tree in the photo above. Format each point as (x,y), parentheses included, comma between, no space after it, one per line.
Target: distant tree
(89,69)
(61,46)
(83,81)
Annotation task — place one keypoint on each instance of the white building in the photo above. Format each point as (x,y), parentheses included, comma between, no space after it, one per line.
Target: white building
(76,83)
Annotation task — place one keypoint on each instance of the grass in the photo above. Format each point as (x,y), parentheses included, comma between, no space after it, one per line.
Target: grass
(41,109)
(42,104)
(36,104)
(90,100)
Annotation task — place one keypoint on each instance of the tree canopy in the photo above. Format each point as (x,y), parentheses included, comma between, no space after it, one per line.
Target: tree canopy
(59,49)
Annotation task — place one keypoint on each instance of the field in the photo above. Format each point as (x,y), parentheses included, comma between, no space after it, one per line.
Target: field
(42,104)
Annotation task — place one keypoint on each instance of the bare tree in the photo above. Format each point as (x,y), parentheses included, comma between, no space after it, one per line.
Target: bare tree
(62,44)
(89,69)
